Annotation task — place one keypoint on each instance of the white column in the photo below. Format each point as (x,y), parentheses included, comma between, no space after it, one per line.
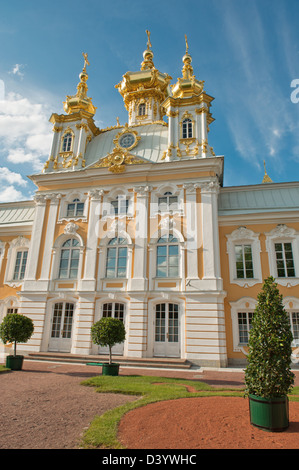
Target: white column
(191,233)
(139,281)
(36,236)
(211,251)
(89,279)
(54,203)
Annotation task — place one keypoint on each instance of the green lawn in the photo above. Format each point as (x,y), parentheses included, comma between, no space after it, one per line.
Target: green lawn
(102,432)
(3,368)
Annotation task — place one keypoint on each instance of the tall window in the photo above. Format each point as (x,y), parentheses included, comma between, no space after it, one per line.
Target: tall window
(244,263)
(116,265)
(67,142)
(75,208)
(120,206)
(244,324)
(168,202)
(115,310)
(141,109)
(167,257)
(187,129)
(20,265)
(62,320)
(294,320)
(284,260)
(69,259)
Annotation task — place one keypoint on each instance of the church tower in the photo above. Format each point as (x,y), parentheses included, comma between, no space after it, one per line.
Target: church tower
(73,130)
(188,111)
(144,91)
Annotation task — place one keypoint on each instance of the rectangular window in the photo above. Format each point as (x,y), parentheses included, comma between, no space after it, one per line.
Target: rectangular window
(244,324)
(20,266)
(12,310)
(120,206)
(294,317)
(244,263)
(284,260)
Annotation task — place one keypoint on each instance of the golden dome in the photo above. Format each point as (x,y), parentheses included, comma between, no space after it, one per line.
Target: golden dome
(80,100)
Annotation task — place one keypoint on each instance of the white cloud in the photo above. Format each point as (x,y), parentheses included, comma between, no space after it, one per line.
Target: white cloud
(11,177)
(11,194)
(16,70)
(25,133)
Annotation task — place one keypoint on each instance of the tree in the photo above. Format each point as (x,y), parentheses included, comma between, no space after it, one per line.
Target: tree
(268,372)
(16,328)
(108,332)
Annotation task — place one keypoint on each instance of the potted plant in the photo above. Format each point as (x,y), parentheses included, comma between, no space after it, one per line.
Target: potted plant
(108,332)
(268,377)
(16,328)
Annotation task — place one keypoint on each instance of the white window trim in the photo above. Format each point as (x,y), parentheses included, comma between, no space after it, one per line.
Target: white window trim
(107,211)
(283,234)
(18,244)
(9,302)
(245,304)
(244,236)
(103,250)
(159,192)
(291,304)
(83,197)
(56,250)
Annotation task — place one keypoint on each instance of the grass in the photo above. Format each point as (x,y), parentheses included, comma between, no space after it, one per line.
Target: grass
(102,432)
(3,368)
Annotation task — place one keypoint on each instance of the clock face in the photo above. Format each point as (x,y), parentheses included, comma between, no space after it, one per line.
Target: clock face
(127,140)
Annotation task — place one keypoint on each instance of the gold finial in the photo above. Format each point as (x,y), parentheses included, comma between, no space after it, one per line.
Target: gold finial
(148,54)
(149,44)
(85,55)
(266,178)
(187,46)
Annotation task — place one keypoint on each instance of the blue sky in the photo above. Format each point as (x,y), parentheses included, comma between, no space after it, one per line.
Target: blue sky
(246,51)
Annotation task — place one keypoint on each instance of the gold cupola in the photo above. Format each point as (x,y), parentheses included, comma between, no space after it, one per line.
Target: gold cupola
(80,101)
(188,85)
(144,91)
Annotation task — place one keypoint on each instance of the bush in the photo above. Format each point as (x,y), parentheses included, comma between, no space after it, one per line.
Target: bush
(108,332)
(16,328)
(268,371)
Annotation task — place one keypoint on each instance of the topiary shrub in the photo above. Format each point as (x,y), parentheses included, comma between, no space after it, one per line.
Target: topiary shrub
(16,328)
(108,332)
(268,372)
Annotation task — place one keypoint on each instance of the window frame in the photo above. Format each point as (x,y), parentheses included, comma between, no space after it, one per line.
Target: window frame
(73,248)
(283,234)
(244,237)
(187,128)
(168,196)
(168,244)
(115,248)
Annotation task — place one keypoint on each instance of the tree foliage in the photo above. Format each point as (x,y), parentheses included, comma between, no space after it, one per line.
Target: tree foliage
(268,372)
(16,328)
(108,332)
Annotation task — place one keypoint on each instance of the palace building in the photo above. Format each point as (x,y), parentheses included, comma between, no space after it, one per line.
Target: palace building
(132,221)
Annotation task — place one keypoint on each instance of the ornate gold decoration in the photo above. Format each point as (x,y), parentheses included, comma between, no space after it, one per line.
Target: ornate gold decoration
(188,85)
(126,130)
(266,178)
(117,160)
(80,100)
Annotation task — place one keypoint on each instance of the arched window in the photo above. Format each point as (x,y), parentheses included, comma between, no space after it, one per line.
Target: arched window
(67,142)
(116,264)
(141,109)
(69,259)
(168,202)
(75,208)
(167,257)
(187,129)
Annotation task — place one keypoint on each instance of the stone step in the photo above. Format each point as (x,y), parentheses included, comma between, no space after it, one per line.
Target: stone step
(159,362)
